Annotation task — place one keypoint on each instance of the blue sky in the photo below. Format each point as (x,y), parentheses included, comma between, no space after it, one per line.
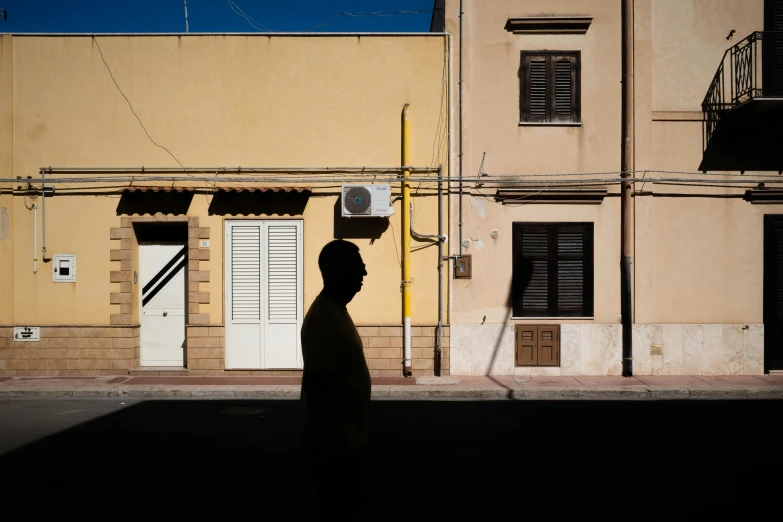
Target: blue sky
(155,16)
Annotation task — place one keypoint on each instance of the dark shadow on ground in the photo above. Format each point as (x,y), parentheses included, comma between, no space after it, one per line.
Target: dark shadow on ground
(441,459)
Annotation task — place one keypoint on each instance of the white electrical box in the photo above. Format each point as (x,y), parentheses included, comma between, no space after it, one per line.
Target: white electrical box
(27,333)
(64,269)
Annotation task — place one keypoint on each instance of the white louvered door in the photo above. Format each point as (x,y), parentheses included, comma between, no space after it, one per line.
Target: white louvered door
(263,294)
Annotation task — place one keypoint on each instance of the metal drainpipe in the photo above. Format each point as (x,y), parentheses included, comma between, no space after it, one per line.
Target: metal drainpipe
(43,215)
(35,238)
(461,14)
(406,245)
(627,187)
(440,238)
(439,333)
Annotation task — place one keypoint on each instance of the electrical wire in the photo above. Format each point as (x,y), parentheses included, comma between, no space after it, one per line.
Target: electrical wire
(252,22)
(441,131)
(338,14)
(130,105)
(394,237)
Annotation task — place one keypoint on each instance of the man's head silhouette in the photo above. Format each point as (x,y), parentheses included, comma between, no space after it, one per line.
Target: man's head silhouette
(343,270)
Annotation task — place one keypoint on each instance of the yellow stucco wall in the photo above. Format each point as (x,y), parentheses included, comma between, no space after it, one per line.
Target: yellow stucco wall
(6,168)
(215,101)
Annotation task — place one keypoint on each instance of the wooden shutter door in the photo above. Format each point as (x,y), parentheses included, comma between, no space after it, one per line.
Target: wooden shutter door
(527,350)
(564,92)
(531,243)
(573,263)
(284,294)
(549,345)
(243,294)
(535,88)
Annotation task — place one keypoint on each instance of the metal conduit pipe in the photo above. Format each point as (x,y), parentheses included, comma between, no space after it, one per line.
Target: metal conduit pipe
(405,218)
(440,238)
(35,238)
(238,169)
(626,201)
(43,215)
(377,179)
(461,15)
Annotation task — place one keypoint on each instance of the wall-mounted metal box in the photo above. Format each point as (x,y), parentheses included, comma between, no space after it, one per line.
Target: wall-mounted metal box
(64,269)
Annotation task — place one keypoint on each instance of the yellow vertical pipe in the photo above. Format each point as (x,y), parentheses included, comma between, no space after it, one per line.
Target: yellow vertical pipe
(406,243)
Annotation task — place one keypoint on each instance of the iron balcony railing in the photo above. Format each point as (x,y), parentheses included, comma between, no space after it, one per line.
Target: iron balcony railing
(753,68)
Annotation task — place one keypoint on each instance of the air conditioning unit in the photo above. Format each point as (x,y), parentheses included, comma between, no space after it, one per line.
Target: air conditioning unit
(366,200)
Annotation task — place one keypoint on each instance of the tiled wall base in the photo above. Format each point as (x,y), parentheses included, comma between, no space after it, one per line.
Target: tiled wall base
(71,351)
(699,349)
(114,350)
(596,349)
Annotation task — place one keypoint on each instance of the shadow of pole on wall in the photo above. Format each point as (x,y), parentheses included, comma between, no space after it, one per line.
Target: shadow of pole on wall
(522,273)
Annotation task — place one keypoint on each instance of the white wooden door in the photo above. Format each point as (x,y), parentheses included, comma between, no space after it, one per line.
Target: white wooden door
(162,268)
(263,294)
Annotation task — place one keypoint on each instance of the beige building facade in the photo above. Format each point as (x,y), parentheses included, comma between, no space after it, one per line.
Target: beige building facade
(218,155)
(542,138)
(121,130)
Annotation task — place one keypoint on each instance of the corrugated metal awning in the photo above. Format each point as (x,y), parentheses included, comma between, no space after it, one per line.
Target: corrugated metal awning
(217,189)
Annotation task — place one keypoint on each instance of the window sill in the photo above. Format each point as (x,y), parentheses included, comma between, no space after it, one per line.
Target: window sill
(549,124)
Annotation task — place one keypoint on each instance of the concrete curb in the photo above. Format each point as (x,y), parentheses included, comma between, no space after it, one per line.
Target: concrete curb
(418,392)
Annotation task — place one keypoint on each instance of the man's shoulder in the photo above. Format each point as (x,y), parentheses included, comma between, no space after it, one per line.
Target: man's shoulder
(322,310)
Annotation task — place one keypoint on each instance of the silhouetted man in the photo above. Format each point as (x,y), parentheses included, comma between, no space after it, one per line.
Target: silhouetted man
(335,385)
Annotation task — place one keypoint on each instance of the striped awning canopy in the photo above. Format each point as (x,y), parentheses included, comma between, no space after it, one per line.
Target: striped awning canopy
(216,189)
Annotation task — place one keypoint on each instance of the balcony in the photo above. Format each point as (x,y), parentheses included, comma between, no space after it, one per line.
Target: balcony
(743,109)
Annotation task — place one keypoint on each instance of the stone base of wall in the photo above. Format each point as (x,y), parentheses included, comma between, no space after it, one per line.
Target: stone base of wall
(596,349)
(206,352)
(115,350)
(71,351)
(383,350)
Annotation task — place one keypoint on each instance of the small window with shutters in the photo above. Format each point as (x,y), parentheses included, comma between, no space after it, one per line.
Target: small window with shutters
(549,91)
(560,256)
(538,345)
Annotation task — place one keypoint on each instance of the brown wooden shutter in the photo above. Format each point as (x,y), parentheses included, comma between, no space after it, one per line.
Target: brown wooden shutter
(527,349)
(773,274)
(574,271)
(549,345)
(535,89)
(772,48)
(532,243)
(564,93)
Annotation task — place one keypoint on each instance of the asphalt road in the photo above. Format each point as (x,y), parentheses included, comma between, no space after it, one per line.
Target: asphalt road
(427,460)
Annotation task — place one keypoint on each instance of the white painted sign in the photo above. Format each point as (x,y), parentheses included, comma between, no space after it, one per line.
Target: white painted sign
(204,243)
(27,333)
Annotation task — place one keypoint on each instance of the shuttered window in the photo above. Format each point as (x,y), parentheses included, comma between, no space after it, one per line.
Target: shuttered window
(246,273)
(550,87)
(282,268)
(560,256)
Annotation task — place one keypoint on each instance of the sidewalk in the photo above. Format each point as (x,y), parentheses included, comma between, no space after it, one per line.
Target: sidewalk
(421,388)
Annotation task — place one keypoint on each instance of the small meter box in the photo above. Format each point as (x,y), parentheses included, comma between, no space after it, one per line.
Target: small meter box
(64,269)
